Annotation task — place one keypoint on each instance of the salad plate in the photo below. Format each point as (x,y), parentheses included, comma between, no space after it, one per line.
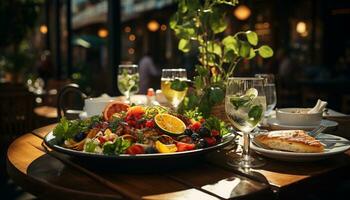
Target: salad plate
(51,141)
(134,134)
(335,147)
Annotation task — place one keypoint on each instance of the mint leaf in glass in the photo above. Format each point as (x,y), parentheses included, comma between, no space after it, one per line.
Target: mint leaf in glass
(178,85)
(255,112)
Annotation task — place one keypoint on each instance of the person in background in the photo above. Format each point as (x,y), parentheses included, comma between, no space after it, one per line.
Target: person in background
(148,71)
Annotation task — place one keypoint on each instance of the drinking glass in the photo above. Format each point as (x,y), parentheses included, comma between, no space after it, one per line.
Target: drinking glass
(270,92)
(174,97)
(128,80)
(245,105)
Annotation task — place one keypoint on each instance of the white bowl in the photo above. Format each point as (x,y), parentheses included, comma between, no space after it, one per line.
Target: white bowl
(298,117)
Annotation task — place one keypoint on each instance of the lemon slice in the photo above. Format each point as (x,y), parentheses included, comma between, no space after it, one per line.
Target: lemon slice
(162,148)
(252,93)
(170,124)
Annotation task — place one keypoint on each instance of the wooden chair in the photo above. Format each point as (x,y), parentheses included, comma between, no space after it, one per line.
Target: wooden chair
(16,105)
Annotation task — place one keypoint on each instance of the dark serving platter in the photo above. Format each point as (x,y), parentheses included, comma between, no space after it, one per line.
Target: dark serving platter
(140,161)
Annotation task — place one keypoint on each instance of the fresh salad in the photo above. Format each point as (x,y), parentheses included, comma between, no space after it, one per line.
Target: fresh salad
(124,129)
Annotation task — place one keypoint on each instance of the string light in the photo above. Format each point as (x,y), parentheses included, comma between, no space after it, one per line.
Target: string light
(102,33)
(242,12)
(153,25)
(43,29)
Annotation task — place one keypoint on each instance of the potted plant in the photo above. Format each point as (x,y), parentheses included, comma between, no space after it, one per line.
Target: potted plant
(201,24)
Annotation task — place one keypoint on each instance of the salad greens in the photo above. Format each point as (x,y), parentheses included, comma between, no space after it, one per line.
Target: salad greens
(67,129)
(213,123)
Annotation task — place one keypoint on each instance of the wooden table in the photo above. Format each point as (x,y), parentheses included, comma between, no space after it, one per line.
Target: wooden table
(49,178)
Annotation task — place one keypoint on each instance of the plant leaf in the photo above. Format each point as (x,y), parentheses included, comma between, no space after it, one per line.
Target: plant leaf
(216,95)
(244,49)
(184,45)
(217,21)
(182,6)
(214,48)
(231,42)
(265,51)
(252,53)
(252,37)
(255,113)
(198,82)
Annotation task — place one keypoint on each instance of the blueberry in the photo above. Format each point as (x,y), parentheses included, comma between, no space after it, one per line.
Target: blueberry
(188,132)
(204,132)
(79,137)
(201,143)
(151,150)
(195,136)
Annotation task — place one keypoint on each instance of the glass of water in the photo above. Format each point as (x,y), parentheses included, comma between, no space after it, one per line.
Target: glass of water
(270,92)
(245,105)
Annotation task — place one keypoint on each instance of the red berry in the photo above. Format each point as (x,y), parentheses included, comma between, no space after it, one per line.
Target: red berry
(210,141)
(215,133)
(150,124)
(195,126)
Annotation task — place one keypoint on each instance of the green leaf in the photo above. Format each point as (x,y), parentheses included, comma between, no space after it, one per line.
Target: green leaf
(214,48)
(229,56)
(251,53)
(184,45)
(252,37)
(178,85)
(216,95)
(173,21)
(193,5)
(255,113)
(202,70)
(109,148)
(244,49)
(238,101)
(182,6)
(217,21)
(231,43)
(184,33)
(198,82)
(90,146)
(265,51)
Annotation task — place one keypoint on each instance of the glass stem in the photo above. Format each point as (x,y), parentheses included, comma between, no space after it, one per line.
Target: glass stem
(246,146)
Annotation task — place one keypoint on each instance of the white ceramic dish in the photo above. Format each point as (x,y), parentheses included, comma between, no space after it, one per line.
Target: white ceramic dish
(298,117)
(275,124)
(303,157)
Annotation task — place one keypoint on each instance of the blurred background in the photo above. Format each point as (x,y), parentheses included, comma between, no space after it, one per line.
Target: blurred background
(45,44)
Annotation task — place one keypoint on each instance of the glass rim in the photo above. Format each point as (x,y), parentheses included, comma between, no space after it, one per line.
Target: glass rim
(127,65)
(246,78)
(175,70)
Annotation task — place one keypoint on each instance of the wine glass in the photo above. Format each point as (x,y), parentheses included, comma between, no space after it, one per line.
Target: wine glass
(245,105)
(270,92)
(128,80)
(174,97)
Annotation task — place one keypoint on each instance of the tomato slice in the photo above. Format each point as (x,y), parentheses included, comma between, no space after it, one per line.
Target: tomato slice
(185,146)
(135,149)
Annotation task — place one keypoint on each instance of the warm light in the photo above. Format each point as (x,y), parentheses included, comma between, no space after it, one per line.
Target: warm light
(127,29)
(43,29)
(301,28)
(132,37)
(153,25)
(102,33)
(131,50)
(242,12)
(163,27)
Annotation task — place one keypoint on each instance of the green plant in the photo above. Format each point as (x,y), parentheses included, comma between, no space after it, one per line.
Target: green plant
(202,23)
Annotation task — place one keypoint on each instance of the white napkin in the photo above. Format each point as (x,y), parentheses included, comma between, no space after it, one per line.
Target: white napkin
(319,107)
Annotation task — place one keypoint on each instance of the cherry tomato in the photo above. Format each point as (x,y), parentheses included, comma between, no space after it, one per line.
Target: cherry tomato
(195,126)
(135,149)
(150,124)
(102,140)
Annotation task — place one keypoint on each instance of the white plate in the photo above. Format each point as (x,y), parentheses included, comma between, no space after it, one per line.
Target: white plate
(275,123)
(302,157)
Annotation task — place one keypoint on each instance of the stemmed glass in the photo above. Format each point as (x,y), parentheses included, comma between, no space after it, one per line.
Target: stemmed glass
(174,97)
(245,105)
(270,92)
(128,80)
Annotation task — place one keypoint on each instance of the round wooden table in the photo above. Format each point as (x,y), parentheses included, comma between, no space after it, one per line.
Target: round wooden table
(47,177)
